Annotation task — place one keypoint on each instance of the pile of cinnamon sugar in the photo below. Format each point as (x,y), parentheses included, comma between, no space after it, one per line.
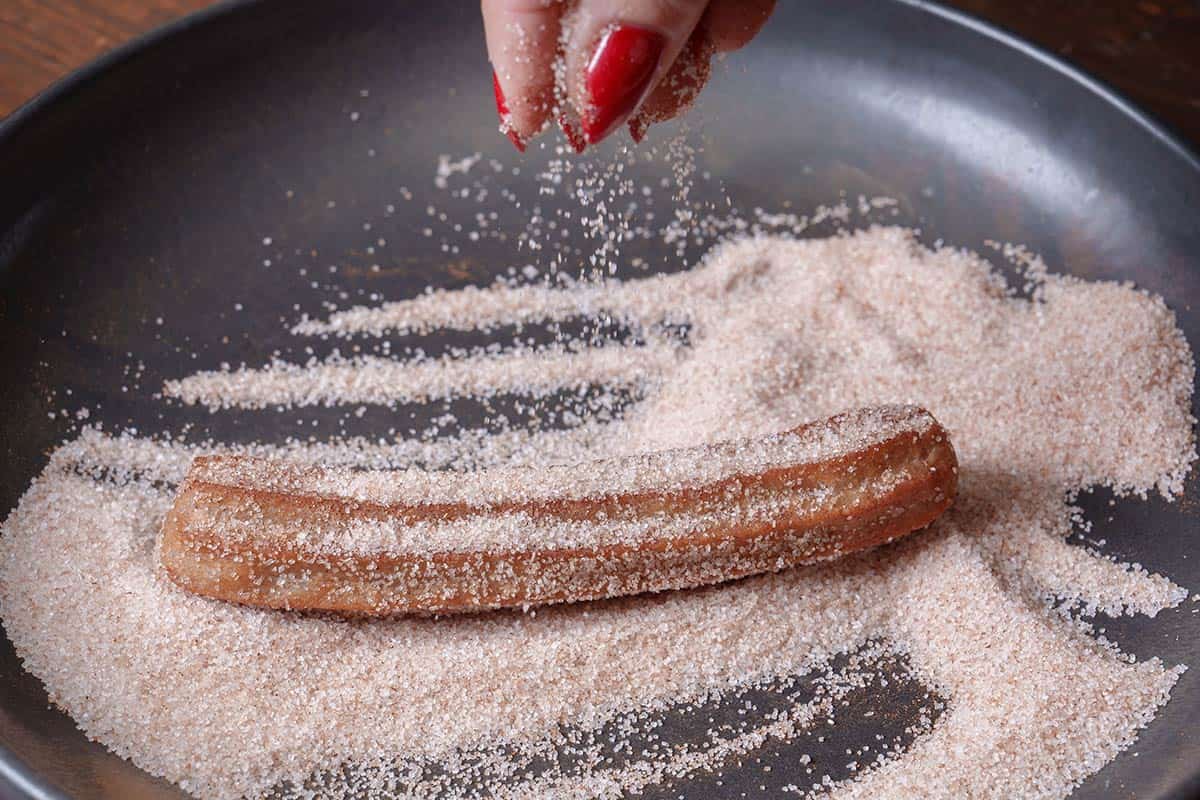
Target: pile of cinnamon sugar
(1042,397)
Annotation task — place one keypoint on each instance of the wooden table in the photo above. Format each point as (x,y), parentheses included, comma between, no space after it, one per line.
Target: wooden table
(1148,49)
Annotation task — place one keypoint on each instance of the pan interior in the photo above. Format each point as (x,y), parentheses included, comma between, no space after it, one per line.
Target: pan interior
(139,200)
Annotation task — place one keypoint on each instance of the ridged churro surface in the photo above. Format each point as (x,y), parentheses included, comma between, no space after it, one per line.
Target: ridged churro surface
(268,533)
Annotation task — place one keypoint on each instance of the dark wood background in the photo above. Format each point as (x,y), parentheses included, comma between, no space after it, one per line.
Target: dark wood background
(1148,49)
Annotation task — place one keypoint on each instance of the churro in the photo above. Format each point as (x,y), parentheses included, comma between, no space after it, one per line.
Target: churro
(273,534)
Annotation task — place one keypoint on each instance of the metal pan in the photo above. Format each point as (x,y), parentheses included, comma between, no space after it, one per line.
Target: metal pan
(142,187)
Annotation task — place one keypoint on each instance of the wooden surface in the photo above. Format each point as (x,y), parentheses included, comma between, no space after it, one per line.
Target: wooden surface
(1148,49)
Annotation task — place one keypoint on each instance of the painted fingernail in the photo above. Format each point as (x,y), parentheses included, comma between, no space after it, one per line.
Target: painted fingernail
(573,134)
(618,76)
(505,116)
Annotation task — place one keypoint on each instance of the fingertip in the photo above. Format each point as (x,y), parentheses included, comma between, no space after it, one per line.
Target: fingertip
(617,52)
(637,128)
(505,115)
(522,37)
(678,90)
(573,133)
(619,76)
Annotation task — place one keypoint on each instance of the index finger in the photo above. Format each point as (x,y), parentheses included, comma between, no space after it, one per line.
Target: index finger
(522,41)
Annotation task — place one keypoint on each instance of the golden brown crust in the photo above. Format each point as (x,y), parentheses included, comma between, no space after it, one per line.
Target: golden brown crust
(797,513)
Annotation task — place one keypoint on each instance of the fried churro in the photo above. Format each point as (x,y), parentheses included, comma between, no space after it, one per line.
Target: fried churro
(268,533)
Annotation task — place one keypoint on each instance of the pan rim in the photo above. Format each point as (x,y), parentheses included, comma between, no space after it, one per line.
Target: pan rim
(15,775)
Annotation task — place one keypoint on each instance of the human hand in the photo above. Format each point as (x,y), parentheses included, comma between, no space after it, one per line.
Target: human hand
(591,65)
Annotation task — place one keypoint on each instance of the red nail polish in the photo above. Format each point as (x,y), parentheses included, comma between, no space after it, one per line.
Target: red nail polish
(574,137)
(618,76)
(502,110)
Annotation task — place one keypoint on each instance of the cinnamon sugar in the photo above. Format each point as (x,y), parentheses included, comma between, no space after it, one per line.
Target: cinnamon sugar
(1042,397)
